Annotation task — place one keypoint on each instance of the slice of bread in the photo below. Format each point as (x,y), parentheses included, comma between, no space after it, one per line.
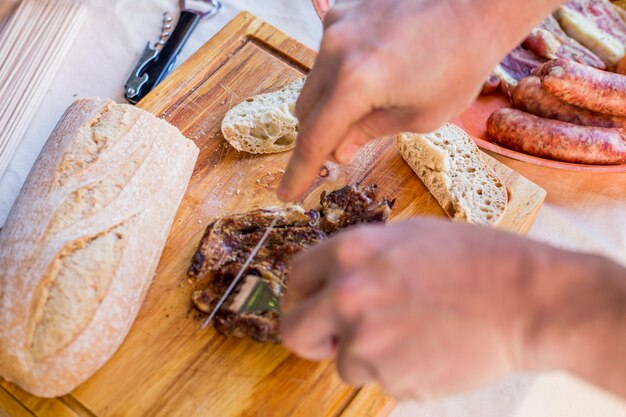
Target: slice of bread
(265,123)
(451,166)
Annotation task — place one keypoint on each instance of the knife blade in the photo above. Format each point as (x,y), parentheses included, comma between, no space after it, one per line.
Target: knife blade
(241,272)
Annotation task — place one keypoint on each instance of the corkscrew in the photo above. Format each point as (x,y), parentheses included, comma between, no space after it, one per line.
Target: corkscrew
(156,62)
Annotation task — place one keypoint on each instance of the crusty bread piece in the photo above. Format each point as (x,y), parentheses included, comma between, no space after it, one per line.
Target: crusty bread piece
(265,123)
(450,165)
(81,244)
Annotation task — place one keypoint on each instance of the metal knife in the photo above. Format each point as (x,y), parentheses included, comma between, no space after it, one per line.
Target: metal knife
(258,295)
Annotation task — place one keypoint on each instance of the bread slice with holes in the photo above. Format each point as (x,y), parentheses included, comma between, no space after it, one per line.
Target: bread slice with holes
(451,166)
(265,123)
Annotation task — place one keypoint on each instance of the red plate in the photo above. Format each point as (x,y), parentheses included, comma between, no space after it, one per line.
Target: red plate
(474,119)
(474,122)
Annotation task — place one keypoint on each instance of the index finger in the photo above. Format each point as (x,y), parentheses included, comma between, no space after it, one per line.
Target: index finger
(322,132)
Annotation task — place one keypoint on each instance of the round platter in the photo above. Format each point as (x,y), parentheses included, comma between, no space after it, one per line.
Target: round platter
(474,119)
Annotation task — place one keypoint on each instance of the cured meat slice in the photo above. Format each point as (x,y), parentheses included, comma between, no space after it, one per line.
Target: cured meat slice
(597,25)
(603,14)
(518,64)
(549,41)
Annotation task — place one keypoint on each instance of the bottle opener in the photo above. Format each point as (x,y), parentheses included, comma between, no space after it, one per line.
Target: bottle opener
(157,62)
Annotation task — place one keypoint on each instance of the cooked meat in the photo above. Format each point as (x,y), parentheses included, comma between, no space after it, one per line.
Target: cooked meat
(229,241)
(352,205)
(261,326)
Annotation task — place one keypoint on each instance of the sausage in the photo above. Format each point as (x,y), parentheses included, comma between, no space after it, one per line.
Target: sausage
(530,97)
(586,87)
(557,140)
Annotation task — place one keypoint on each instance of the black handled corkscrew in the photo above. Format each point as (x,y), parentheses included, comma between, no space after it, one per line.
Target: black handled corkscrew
(157,62)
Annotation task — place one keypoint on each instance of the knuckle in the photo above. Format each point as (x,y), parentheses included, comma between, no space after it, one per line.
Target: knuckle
(346,303)
(332,16)
(336,38)
(358,239)
(352,72)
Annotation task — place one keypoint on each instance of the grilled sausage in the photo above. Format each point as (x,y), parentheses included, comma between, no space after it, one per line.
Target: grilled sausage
(558,140)
(586,87)
(530,97)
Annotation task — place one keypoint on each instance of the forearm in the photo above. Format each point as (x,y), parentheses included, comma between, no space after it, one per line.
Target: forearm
(579,319)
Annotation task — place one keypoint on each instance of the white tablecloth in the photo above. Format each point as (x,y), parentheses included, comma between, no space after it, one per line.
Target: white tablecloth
(98,65)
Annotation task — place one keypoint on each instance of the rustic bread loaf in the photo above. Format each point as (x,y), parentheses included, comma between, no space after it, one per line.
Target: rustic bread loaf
(450,165)
(265,123)
(81,244)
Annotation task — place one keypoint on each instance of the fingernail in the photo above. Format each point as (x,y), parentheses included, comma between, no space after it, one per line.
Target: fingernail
(346,153)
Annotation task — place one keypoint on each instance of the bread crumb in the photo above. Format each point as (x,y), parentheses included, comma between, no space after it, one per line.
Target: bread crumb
(282,171)
(238,191)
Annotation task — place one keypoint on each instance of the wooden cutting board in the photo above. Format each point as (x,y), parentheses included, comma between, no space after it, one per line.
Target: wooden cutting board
(168,366)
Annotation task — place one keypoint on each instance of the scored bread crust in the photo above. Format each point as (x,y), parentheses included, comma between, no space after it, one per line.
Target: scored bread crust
(450,165)
(82,241)
(265,123)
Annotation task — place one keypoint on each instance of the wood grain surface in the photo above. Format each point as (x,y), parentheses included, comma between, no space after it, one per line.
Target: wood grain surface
(168,365)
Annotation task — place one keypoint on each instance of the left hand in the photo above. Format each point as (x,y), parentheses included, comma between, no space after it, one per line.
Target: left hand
(418,306)
(430,308)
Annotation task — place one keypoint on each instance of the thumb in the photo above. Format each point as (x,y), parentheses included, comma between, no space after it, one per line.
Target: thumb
(384,122)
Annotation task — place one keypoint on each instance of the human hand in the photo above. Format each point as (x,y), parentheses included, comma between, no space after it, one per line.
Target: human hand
(429,308)
(387,66)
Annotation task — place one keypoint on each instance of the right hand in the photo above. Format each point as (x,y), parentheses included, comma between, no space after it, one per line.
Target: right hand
(387,66)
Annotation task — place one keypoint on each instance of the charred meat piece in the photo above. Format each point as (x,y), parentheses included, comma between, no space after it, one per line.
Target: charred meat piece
(229,241)
(224,249)
(352,205)
(225,239)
